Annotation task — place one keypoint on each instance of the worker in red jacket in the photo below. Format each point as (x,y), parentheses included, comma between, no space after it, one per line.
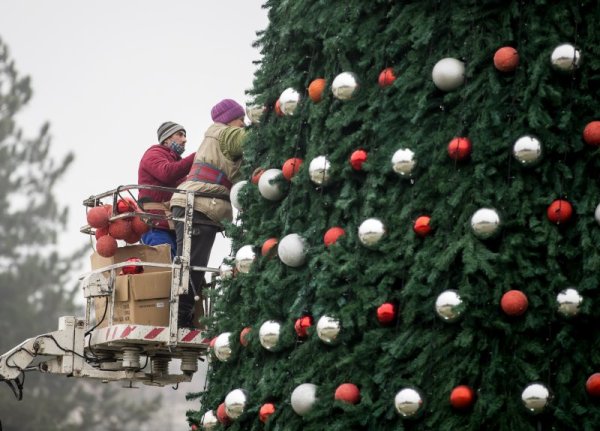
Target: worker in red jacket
(162,165)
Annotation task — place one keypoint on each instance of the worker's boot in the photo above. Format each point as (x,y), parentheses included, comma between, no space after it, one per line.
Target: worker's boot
(185,317)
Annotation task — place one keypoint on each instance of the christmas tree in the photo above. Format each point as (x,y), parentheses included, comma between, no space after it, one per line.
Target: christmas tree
(453,147)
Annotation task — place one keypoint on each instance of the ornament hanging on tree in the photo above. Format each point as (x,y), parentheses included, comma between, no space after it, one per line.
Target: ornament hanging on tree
(244,336)
(278,108)
(292,250)
(303,398)
(386,77)
(348,393)
(422,226)
(536,397)
(357,158)
(449,305)
(268,335)
(565,58)
(316,89)
(448,74)
(97,217)
(371,231)
(291,167)
(254,113)
(233,194)
(209,421)
(485,223)
(527,150)
(225,271)
(288,101)
(256,175)
(462,397)
(301,326)
(506,59)
(514,303)
(559,211)
(328,329)
(268,248)
(244,258)
(106,246)
(266,410)
(592,385)
(268,185)
(222,415)
(408,402)
(345,86)
(459,148)
(386,313)
(235,403)
(404,162)
(332,235)
(319,171)
(569,301)
(222,347)
(591,133)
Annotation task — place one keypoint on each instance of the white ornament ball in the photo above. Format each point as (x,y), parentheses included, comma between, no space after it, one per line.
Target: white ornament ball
(319,170)
(408,402)
(233,194)
(244,258)
(527,150)
(536,397)
(268,186)
(225,271)
(404,162)
(597,214)
(303,398)
(569,301)
(288,101)
(565,57)
(344,86)
(449,305)
(485,223)
(209,420)
(292,250)
(448,74)
(268,334)
(255,112)
(235,403)
(371,231)
(223,347)
(328,329)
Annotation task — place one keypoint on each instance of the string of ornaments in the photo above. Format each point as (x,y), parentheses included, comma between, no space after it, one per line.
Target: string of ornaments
(448,75)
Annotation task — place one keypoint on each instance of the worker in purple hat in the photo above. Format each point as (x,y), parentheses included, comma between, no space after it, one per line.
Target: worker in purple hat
(215,169)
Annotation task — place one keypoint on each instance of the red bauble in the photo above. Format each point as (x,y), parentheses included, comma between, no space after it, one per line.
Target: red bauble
(506,59)
(256,175)
(386,313)
(139,226)
(126,205)
(315,89)
(459,148)
(591,133)
(514,303)
(291,167)
(462,397)
(268,247)
(347,392)
(119,229)
(211,345)
(133,269)
(422,226)
(592,385)
(132,237)
(222,415)
(332,235)
(108,209)
(265,411)
(106,246)
(559,211)
(357,159)
(194,427)
(243,334)
(97,217)
(100,232)
(301,326)
(386,77)
(278,108)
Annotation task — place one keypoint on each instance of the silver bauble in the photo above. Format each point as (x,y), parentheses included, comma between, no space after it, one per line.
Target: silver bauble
(223,347)
(527,150)
(235,403)
(303,398)
(328,329)
(448,74)
(268,186)
(408,402)
(485,223)
(292,250)
(288,101)
(344,86)
(404,162)
(319,171)
(449,305)
(209,420)
(225,271)
(371,231)
(565,57)
(536,397)
(255,112)
(244,258)
(269,334)
(597,214)
(569,301)
(233,194)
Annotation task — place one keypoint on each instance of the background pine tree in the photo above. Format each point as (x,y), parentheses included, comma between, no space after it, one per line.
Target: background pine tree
(496,355)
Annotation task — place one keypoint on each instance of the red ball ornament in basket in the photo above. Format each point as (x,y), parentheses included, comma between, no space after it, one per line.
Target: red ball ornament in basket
(120,229)
(132,269)
(301,326)
(459,148)
(462,397)
(386,77)
(97,217)
(386,313)
(559,211)
(266,410)
(357,158)
(514,303)
(126,205)
(100,232)
(348,393)
(106,246)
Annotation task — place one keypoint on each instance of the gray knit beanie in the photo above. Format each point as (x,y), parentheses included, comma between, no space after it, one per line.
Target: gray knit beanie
(167,129)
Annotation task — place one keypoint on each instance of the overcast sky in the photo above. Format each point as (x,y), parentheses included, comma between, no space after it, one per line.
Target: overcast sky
(106,73)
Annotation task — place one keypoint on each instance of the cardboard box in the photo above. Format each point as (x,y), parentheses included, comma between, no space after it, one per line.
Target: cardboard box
(146,253)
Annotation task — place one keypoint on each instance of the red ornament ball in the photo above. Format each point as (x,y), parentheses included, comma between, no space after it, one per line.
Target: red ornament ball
(109,209)
(301,326)
(386,313)
(256,175)
(422,226)
(506,59)
(243,334)
(386,77)
(139,226)
(126,205)
(194,427)
(357,158)
(291,167)
(278,110)
(132,237)
(462,397)
(133,269)
(315,89)
(211,345)
(265,411)
(119,229)
(591,133)
(332,235)
(347,392)
(100,232)
(459,148)
(268,247)
(592,385)
(97,217)
(559,211)
(106,246)
(514,303)
(222,415)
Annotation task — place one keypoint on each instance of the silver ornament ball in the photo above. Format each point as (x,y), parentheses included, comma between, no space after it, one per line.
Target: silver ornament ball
(288,101)
(233,194)
(448,74)
(255,112)
(569,302)
(244,258)
(485,223)
(303,398)
(536,397)
(328,329)
(223,347)
(404,162)
(527,150)
(225,271)
(565,57)
(235,403)
(268,186)
(292,250)
(209,420)
(408,402)
(319,171)
(345,86)
(268,334)
(597,214)
(449,305)
(371,231)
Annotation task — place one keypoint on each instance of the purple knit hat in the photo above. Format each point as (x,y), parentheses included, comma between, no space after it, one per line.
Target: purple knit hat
(226,110)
